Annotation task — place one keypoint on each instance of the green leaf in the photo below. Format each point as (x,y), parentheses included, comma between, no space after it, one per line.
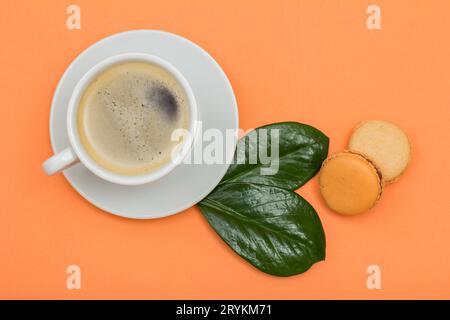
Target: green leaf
(274,229)
(302,149)
(258,215)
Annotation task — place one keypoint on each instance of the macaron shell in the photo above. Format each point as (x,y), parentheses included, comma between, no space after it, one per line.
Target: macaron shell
(383,143)
(349,183)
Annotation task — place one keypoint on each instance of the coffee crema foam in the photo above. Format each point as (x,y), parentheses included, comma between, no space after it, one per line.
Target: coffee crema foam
(127,115)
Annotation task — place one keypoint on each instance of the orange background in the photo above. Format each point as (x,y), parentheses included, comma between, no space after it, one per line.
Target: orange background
(303,60)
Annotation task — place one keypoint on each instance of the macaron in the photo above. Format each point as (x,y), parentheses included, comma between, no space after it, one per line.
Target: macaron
(349,183)
(383,143)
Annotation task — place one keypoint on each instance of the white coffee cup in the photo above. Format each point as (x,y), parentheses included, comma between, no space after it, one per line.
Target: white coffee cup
(76,152)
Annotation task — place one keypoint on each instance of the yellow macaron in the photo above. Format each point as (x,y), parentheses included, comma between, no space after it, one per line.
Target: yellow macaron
(349,183)
(383,143)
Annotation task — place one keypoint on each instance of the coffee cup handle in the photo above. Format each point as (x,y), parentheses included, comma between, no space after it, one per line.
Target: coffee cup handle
(60,161)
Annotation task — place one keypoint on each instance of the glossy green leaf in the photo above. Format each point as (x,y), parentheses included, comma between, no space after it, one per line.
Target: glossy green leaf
(274,229)
(257,214)
(301,151)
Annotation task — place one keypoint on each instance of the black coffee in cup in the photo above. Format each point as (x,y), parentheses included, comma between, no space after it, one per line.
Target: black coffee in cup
(127,115)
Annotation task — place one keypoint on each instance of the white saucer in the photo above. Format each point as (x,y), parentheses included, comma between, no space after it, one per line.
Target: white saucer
(185,185)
